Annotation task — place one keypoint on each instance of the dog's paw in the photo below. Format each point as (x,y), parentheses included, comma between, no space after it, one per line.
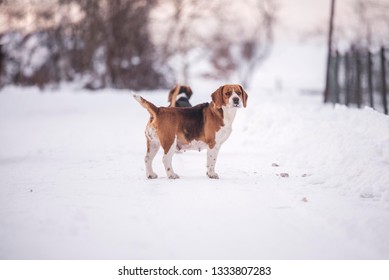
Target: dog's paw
(152,176)
(173,176)
(213,175)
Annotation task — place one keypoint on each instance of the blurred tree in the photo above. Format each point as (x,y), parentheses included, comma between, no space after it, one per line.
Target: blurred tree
(105,42)
(371,24)
(243,39)
(360,23)
(182,33)
(138,44)
(253,50)
(234,39)
(115,43)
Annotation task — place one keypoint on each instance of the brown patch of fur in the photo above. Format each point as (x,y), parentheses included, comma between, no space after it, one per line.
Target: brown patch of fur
(148,145)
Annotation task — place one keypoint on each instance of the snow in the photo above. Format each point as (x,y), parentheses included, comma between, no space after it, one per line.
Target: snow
(293,65)
(298,180)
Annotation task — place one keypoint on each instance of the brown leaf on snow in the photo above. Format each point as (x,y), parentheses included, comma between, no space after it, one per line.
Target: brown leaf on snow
(284,174)
(275,165)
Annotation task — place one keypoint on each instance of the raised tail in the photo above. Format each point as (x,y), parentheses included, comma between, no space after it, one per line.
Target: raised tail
(173,95)
(150,107)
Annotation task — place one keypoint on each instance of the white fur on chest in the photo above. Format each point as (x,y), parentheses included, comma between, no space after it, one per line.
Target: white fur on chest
(225,131)
(223,134)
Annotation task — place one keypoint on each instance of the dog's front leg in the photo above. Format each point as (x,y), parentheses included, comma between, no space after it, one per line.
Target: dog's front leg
(211,161)
(167,162)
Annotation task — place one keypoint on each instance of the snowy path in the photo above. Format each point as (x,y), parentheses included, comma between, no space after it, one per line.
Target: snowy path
(72,182)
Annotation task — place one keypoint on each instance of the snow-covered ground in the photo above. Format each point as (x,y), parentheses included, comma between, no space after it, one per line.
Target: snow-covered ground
(73,186)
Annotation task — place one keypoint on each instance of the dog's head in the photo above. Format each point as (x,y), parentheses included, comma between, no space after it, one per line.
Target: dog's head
(230,96)
(180,89)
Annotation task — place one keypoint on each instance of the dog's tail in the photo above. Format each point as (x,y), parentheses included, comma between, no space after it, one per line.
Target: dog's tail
(150,107)
(173,95)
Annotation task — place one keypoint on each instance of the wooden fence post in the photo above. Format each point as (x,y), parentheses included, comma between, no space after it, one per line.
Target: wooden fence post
(370,78)
(358,90)
(347,77)
(383,80)
(335,96)
(329,52)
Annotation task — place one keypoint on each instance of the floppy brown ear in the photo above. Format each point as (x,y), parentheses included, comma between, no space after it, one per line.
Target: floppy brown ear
(190,92)
(217,97)
(244,96)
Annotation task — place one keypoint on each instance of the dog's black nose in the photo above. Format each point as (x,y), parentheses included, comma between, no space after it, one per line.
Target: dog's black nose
(235,100)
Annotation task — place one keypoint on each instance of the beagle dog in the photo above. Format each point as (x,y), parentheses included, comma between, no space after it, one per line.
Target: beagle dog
(179,96)
(205,126)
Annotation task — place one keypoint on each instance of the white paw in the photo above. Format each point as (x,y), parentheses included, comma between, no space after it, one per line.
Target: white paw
(174,176)
(213,175)
(151,175)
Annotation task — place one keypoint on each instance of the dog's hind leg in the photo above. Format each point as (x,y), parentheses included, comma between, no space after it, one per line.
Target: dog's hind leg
(152,149)
(167,161)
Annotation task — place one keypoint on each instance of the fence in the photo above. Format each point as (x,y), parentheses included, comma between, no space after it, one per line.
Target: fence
(359,77)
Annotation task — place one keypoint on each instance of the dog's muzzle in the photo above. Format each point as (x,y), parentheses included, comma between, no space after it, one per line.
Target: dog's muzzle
(236,101)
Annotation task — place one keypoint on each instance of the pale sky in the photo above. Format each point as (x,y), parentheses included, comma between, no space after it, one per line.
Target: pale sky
(297,17)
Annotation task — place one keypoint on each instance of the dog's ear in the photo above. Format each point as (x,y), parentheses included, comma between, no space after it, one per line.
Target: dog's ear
(190,92)
(217,97)
(244,96)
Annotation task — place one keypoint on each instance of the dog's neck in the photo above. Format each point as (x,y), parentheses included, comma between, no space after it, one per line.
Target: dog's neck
(228,115)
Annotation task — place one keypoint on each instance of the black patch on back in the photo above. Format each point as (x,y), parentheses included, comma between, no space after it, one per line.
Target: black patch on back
(183,102)
(193,124)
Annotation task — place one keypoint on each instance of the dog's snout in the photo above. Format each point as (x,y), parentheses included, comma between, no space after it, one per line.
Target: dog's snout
(235,100)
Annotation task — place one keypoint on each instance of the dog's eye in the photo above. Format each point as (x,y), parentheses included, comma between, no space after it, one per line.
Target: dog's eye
(228,93)
(238,93)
